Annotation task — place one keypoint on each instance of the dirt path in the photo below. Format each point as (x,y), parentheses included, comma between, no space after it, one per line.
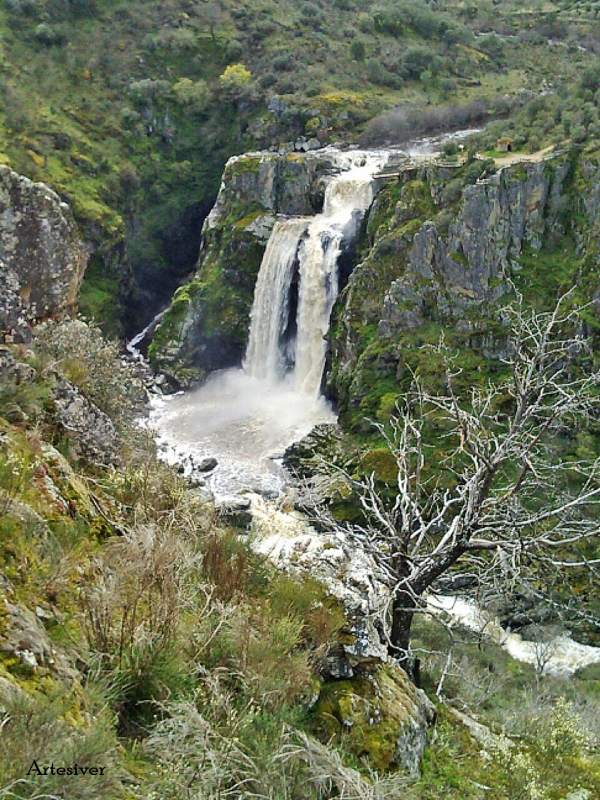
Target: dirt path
(515,158)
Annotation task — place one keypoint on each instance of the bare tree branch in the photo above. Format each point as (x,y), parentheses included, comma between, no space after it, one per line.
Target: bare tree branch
(505,492)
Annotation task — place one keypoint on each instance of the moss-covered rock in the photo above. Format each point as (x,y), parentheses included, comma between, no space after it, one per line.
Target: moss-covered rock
(382,716)
(206,326)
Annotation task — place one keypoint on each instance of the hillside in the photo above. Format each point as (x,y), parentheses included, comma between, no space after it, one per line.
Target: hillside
(121,107)
(401,605)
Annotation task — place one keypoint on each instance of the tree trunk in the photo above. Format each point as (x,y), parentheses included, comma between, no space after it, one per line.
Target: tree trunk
(403,611)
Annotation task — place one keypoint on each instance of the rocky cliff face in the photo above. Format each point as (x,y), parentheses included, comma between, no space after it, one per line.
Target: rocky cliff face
(444,249)
(443,246)
(206,326)
(41,258)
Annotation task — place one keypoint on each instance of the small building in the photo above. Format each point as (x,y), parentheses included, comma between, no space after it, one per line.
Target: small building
(505,144)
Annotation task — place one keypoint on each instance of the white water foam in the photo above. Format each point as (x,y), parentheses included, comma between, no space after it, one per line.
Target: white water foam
(242,421)
(558,656)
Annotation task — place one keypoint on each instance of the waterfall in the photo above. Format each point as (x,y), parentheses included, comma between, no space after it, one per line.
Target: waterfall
(315,243)
(347,198)
(246,418)
(270,310)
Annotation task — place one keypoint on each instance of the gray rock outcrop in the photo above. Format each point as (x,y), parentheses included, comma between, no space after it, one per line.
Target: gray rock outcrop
(90,431)
(445,251)
(24,640)
(42,261)
(470,265)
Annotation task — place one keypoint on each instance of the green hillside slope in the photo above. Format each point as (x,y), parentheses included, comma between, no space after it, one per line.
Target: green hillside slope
(126,109)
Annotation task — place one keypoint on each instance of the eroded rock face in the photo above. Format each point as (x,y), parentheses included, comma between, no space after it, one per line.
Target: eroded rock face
(42,261)
(470,264)
(282,184)
(444,252)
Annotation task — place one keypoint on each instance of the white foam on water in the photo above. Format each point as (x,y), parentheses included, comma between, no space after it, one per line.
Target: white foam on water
(242,421)
(558,656)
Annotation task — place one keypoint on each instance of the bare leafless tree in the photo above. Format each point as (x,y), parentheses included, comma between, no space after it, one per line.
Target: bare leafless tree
(503,498)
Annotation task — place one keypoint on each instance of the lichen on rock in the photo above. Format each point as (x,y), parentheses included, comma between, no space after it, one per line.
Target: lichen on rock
(42,260)
(91,433)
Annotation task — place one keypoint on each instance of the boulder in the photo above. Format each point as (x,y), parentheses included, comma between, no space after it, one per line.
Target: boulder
(382,716)
(11,369)
(236,511)
(90,431)
(42,260)
(206,465)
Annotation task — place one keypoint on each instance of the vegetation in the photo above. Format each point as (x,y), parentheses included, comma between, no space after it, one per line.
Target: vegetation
(119,107)
(504,491)
(182,664)
(140,632)
(169,616)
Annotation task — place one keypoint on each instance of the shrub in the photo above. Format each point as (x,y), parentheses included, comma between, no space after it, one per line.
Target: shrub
(23,401)
(131,615)
(28,8)
(380,75)
(49,35)
(235,81)
(358,50)
(452,192)
(415,61)
(195,95)
(37,728)
(149,89)
(448,85)
(321,616)
(227,564)
(234,50)
(129,117)
(365,22)
(493,46)
(93,364)
(450,148)
(590,79)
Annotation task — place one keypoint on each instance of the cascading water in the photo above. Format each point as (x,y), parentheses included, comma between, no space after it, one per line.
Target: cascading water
(245,417)
(270,310)
(347,197)
(316,243)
